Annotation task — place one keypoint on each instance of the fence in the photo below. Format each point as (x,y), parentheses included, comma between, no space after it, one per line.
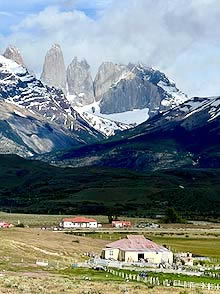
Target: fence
(167,283)
(120,264)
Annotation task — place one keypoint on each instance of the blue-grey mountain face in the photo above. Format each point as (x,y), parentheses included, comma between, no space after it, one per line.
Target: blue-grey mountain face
(80,83)
(54,71)
(139,87)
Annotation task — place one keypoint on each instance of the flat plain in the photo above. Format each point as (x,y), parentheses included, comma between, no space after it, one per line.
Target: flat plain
(21,248)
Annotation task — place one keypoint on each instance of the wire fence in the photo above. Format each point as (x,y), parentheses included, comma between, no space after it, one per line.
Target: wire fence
(155,281)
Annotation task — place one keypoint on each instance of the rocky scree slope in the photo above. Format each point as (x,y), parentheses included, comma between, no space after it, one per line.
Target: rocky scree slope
(25,134)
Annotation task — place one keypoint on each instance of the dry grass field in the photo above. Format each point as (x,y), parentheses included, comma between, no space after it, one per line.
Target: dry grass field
(21,247)
(48,284)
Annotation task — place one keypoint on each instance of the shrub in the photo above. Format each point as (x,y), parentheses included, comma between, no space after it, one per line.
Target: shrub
(21,225)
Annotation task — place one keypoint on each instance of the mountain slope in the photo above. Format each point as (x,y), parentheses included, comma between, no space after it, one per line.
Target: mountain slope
(19,87)
(187,135)
(26,134)
(33,186)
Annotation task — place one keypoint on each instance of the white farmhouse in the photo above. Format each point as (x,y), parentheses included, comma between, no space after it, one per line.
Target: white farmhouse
(79,222)
(136,248)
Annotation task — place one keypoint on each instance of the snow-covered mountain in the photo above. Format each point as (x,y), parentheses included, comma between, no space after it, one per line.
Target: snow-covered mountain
(129,95)
(185,136)
(21,88)
(193,114)
(119,98)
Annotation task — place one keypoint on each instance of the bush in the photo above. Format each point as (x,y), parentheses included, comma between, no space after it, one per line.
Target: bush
(172,217)
(21,225)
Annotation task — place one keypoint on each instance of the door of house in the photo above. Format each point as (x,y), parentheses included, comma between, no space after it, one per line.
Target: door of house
(140,256)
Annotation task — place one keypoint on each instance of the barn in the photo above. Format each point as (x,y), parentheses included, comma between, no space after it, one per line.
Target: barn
(79,222)
(136,248)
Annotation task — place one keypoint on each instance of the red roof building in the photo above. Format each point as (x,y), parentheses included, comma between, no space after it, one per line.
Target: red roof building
(79,222)
(121,224)
(136,248)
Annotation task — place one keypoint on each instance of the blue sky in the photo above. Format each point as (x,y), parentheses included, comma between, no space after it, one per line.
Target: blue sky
(179,37)
(12,11)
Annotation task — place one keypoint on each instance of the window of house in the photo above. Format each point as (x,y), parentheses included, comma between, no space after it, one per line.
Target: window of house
(111,252)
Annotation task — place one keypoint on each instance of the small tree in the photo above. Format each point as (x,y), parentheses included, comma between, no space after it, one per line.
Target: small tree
(172,217)
(110,218)
(112,214)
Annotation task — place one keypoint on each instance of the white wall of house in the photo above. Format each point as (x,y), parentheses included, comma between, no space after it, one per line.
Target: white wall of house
(149,256)
(167,257)
(133,256)
(68,224)
(111,253)
(93,224)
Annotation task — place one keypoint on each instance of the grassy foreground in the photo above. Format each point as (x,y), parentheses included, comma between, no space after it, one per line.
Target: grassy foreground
(21,248)
(55,285)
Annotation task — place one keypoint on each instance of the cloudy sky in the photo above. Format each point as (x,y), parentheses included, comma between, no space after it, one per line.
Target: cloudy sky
(179,37)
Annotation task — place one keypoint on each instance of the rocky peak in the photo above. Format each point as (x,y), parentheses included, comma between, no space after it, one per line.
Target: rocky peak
(80,83)
(108,74)
(140,87)
(54,72)
(13,53)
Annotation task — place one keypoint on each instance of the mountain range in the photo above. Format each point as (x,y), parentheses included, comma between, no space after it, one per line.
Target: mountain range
(187,135)
(126,117)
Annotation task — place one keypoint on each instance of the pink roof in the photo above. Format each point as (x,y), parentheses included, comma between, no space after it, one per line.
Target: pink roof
(136,243)
(79,219)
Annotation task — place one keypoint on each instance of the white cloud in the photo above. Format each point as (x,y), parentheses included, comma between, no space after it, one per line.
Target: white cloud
(167,34)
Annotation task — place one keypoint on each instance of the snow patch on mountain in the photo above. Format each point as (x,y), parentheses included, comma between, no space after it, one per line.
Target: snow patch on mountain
(196,104)
(109,124)
(11,66)
(174,96)
(103,125)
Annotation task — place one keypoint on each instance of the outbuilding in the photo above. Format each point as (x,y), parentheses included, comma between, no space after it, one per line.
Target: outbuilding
(121,224)
(79,222)
(136,248)
(5,225)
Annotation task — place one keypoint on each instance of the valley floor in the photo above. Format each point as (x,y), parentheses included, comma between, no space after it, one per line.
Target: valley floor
(20,248)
